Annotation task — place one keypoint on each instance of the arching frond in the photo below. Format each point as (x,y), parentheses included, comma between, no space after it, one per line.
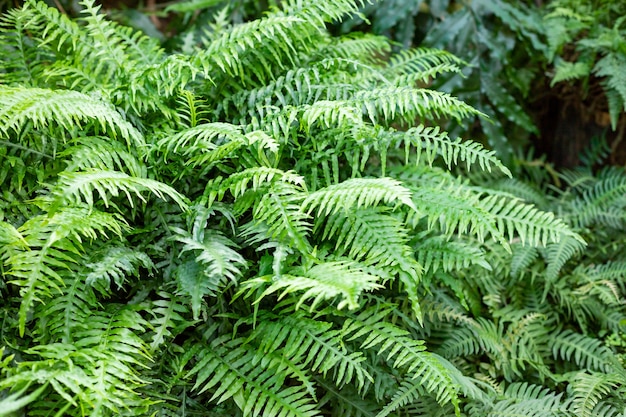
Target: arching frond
(586,352)
(54,246)
(313,345)
(67,109)
(436,252)
(343,279)
(589,389)
(397,344)
(357,193)
(73,187)
(233,369)
(557,254)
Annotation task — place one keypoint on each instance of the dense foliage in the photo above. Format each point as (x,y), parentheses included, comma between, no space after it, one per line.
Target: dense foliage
(266,220)
(551,71)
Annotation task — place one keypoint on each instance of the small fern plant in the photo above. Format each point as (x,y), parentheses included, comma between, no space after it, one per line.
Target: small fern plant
(258,222)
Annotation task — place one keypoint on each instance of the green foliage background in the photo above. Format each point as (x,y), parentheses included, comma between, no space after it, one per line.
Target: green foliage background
(260,218)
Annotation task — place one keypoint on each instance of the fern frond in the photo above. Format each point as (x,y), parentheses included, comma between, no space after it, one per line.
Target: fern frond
(408,391)
(528,400)
(376,239)
(168,319)
(64,108)
(605,194)
(343,279)
(409,104)
(567,71)
(54,243)
(425,63)
(533,226)
(523,257)
(99,371)
(589,389)
(73,187)
(21,63)
(101,153)
(366,48)
(115,263)
(587,352)
(436,252)
(609,66)
(313,345)
(557,254)
(230,370)
(406,353)
(216,264)
(431,143)
(357,193)
(280,210)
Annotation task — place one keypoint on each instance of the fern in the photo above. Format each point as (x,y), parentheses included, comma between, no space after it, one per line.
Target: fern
(260,218)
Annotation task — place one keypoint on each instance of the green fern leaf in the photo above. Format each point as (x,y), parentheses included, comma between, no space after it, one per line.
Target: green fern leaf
(313,345)
(436,252)
(280,210)
(115,264)
(406,353)
(67,109)
(53,244)
(589,389)
(232,370)
(343,279)
(357,193)
(587,352)
(73,187)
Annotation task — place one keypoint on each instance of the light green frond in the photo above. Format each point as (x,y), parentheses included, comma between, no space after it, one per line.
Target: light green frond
(216,264)
(408,391)
(54,247)
(436,252)
(98,373)
(263,43)
(523,257)
(251,179)
(422,62)
(115,264)
(528,400)
(430,143)
(280,210)
(68,310)
(357,193)
(63,108)
(343,279)
(297,87)
(168,319)
(557,254)
(386,104)
(74,187)
(585,351)
(21,59)
(101,153)
(313,345)
(455,209)
(230,371)
(201,138)
(607,193)
(409,354)
(366,48)
(377,239)
(589,389)
(567,71)
(610,67)
(532,226)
